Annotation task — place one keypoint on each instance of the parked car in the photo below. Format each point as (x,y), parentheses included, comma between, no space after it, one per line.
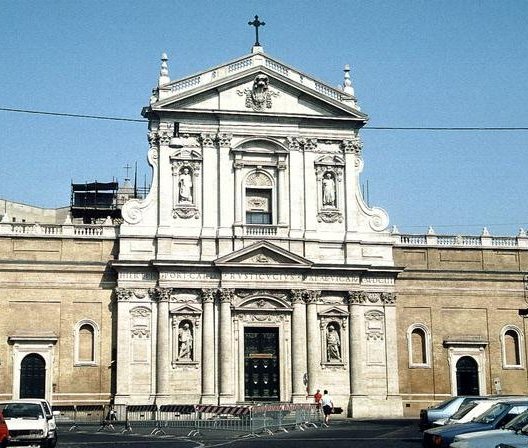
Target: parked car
(443,410)
(498,415)
(4,432)
(489,439)
(466,413)
(30,421)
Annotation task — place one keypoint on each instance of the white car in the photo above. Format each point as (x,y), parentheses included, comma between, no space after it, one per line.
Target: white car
(30,421)
(466,413)
(512,432)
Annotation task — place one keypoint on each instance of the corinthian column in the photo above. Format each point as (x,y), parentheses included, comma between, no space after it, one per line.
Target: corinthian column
(298,346)
(226,348)
(313,338)
(163,342)
(208,346)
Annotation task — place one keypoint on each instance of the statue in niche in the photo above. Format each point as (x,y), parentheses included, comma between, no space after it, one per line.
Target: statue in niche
(185,186)
(333,344)
(329,193)
(185,342)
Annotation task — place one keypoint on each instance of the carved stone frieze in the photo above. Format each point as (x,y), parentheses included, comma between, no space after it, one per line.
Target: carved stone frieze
(141,333)
(329,216)
(374,321)
(186,212)
(263,317)
(246,293)
(140,311)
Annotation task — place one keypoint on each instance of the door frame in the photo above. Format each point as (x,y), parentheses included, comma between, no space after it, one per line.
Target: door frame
(478,353)
(263,320)
(23,346)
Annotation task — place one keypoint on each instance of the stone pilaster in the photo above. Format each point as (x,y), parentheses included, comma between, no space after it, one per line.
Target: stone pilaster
(226,348)
(356,335)
(208,347)
(299,366)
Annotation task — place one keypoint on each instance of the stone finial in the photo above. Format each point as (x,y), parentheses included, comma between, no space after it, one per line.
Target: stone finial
(431,231)
(347,83)
(5,218)
(164,71)
(522,232)
(395,230)
(68,220)
(485,232)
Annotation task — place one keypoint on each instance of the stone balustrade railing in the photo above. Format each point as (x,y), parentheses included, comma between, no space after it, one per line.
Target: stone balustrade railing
(252,60)
(483,240)
(103,231)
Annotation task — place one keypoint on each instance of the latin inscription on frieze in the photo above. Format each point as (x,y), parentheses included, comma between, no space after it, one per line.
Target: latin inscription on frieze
(188,276)
(137,276)
(377,281)
(352,279)
(260,276)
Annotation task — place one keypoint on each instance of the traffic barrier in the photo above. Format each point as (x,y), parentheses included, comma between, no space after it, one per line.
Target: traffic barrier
(250,419)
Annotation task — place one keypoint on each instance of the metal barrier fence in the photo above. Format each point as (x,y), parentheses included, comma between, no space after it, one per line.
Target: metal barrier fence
(251,419)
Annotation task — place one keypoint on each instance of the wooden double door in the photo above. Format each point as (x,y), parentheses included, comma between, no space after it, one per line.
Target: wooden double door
(261,364)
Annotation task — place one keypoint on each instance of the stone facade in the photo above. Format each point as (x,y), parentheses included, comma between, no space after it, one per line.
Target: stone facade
(254,271)
(55,291)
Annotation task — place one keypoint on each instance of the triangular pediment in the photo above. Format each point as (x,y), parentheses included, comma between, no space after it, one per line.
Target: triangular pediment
(186,309)
(263,254)
(234,87)
(333,312)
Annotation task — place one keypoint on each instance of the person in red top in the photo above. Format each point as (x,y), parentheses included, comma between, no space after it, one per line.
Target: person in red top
(317,399)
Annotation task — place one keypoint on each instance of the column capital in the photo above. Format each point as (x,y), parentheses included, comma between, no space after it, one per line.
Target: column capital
(294,144)
(160,294)
(356,297)
(352,146)
(388,298)
(224,140)
(227,295)
(312,296)
(296,296)
(208,295)
(207,140)
(123,294)
(164,138)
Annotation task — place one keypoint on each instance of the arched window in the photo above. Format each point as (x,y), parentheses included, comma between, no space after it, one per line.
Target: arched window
(419,346)
(86,337)
(259,198)
(512,343)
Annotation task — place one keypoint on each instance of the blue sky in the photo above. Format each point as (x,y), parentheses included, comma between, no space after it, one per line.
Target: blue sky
(414,63)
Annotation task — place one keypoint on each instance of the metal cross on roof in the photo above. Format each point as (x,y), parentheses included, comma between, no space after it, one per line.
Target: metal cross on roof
(127,167)
(256,23)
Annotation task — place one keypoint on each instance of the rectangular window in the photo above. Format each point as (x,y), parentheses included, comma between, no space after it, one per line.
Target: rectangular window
(258,206)
(258,218)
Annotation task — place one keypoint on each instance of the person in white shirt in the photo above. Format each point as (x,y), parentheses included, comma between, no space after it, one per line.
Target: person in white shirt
(328,405)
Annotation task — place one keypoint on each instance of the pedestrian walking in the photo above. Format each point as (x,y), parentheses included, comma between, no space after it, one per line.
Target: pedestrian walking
(328,406)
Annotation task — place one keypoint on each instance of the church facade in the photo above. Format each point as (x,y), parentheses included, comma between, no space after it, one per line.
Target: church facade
(254,271)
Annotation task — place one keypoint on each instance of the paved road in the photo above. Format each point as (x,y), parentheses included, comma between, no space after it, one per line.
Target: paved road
(362,434)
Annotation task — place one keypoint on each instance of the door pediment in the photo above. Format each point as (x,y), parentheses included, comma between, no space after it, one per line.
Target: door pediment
(263,254)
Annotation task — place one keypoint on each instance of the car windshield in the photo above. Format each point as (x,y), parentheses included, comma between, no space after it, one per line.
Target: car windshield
(492,413)
(518,422)
(22,410)
(444,403)
(463,410)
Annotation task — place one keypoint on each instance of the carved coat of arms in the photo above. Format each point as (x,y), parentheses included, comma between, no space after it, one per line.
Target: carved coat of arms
(259,96)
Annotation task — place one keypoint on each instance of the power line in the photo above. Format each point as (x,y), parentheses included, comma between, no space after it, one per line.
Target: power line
(61,114)
(367,128)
